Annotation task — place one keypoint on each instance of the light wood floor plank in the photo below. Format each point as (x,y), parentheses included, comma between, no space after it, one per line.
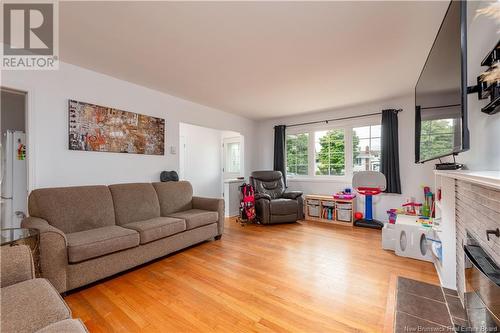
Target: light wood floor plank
(303,277)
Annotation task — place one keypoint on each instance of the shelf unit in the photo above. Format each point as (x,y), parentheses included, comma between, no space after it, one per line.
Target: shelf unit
(329,201)
(444,231)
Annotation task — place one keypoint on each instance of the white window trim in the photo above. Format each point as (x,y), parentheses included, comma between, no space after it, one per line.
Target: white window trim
(347,125)
(225,141)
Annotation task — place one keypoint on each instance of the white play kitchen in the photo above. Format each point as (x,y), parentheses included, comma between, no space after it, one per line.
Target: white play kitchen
(442,238)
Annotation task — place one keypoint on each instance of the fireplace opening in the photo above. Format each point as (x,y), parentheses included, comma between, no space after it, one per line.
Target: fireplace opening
(482,288)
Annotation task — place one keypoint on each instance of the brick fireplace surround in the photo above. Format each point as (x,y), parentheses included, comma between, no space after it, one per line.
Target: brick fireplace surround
(477,209)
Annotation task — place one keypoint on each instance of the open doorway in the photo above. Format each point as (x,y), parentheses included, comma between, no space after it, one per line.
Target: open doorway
(14,173)
(232,155)
(212,160)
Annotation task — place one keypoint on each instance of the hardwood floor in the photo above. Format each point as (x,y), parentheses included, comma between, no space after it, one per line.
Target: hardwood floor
(303,277)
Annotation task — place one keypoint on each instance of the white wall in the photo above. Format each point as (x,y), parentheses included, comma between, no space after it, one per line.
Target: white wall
(55,165)
(484,153)
(413,176)
(202,162)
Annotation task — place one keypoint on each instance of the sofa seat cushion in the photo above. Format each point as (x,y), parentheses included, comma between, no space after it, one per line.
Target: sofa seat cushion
(283,207)
(31,305)
(94,243)
(156,228)
(196,217)
(66,326)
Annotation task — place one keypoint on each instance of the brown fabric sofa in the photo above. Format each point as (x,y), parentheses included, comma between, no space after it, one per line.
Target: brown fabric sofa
(92,232)
(29,304)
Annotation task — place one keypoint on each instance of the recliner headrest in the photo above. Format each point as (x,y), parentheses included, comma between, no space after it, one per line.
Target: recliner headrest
(267,175)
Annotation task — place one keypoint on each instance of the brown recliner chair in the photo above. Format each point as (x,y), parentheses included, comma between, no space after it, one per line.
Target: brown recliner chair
(272,203)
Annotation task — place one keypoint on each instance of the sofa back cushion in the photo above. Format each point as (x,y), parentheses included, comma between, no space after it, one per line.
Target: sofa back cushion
(73,209)
(134,202)
(174,196)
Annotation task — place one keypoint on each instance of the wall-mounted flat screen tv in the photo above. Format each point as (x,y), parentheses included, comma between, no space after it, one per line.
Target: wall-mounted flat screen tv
(441,91)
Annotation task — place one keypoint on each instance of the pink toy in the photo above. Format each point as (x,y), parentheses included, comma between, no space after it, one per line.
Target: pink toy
(344,196)
(393,213)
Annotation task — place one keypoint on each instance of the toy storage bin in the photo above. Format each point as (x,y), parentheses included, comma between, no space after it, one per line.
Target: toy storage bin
(344,206)
(344,215)
(344,212)
(313,208)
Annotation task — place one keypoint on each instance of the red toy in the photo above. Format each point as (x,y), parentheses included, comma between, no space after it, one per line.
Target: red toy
(247,204)
(358,216)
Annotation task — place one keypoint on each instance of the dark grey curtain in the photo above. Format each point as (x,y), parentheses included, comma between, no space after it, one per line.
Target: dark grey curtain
(389,164)
(279,150)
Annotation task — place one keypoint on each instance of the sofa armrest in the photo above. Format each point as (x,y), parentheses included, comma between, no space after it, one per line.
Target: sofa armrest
(53,251)
(214,205)
(264,196)
(292,195)
(16,264)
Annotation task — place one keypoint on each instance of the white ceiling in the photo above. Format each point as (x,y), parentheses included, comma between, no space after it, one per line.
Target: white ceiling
(256,59)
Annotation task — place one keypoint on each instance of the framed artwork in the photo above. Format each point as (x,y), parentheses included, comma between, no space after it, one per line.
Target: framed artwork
(99,128)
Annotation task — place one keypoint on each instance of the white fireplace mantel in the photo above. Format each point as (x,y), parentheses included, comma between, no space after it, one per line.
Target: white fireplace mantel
(451,231)
(485,178)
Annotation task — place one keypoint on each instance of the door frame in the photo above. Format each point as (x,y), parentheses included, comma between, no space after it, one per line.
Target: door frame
(30,131)
(225,141)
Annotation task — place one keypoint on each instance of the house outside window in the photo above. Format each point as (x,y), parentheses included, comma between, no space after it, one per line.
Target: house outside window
(366,148)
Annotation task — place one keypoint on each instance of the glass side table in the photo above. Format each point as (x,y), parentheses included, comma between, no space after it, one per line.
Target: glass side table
(24,236)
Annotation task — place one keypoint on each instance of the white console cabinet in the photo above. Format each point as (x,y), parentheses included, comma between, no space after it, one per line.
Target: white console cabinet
(232,196)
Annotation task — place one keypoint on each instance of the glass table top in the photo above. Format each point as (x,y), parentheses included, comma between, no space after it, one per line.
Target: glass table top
(14,234)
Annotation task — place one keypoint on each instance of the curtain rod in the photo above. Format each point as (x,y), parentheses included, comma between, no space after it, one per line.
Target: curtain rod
(343,118)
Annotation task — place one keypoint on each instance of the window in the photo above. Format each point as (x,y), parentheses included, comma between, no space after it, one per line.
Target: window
(297,154)
(233,157)
(437,137)
(334,150)
(232,149)
(366,148)
(329,152)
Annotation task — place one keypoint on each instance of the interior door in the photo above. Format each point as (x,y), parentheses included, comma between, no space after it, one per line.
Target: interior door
(232,157)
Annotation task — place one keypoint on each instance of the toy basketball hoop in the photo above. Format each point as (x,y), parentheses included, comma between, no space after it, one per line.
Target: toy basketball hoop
(369,183)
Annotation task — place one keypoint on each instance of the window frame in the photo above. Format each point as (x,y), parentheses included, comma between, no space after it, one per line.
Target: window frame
(370,138)
(225,142)
(346,125)
(308,153)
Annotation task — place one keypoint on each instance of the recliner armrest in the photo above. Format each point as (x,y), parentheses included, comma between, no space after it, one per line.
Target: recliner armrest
(265,196)
(53,251)
(292,194)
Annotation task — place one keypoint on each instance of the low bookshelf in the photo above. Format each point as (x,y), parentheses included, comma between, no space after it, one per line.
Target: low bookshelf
(325,208)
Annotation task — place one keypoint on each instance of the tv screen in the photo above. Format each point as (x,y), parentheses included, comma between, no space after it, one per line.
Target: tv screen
(441,91)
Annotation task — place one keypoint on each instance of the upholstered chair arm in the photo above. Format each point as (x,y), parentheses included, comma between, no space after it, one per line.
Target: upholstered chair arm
(263,210)
(264,196)
(292,195)
(53,251)
(16,264)
(300,204)
(214,205)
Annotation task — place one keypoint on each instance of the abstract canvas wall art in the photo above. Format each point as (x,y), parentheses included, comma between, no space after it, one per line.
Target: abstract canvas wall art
(99,128)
